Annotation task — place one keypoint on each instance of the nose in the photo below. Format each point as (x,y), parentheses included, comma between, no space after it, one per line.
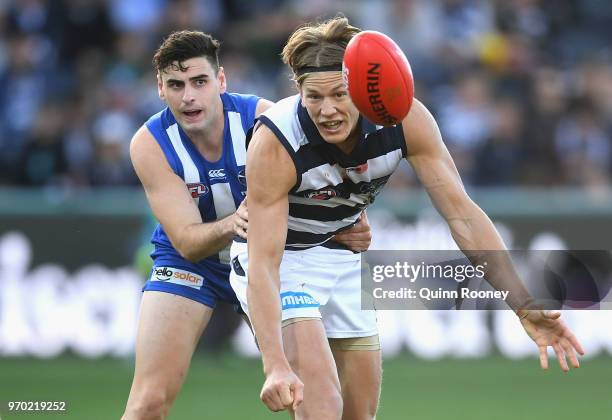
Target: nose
(328,107)
(188,94)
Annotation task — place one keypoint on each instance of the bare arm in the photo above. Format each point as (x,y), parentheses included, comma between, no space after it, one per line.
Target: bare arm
(474,232)
(192,238)
(269,198)
(470,227)
(268,210)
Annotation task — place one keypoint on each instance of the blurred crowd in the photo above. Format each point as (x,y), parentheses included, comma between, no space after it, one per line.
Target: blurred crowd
(521,89)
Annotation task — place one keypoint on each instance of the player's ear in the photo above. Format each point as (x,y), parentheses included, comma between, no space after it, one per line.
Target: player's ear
(222,79)
(298,86)
(160,90)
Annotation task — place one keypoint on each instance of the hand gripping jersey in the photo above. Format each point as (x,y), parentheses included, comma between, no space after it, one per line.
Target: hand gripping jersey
(332,187)
(217,188)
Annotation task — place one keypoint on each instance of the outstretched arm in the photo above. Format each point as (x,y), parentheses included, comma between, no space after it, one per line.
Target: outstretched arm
(475,234)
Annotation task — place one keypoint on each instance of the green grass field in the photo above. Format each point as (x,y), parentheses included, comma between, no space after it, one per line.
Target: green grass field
(228,387)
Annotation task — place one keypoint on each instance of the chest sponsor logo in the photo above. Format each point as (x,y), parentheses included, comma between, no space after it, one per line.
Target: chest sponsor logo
(216,173)
(197,190)
(324,194)
(292,300)
(177,276)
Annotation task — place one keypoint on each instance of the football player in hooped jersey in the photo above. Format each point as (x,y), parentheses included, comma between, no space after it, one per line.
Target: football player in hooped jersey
(190,159)
(320,352)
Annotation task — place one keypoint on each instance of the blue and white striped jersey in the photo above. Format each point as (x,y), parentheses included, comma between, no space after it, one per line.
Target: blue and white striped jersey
(332,187)
(217,188)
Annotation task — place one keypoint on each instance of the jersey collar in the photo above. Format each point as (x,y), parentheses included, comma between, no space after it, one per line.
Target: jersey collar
(227,102)
(315,138)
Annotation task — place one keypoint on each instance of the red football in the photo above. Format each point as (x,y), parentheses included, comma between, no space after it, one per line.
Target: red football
(379,78)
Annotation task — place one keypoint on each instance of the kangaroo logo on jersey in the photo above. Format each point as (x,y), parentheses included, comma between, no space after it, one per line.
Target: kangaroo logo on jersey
(197,189)
(216,173)
(242,177)
(324,194)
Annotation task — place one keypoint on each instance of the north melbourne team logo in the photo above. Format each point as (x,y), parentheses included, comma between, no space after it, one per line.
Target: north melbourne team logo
(242,177)
(197,189)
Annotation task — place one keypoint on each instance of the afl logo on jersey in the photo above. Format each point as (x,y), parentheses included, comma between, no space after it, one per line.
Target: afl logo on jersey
(324,194)
(197,190)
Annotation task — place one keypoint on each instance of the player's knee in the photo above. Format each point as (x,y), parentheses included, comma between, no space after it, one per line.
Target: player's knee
(364,410)
(370,405)
(333,403)
(363,404)
(148,404)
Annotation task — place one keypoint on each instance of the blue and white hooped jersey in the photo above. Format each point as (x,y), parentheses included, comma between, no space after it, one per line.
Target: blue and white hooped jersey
(217,188)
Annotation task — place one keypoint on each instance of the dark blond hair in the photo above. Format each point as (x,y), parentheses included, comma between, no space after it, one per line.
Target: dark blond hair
(181,46)
(318,45)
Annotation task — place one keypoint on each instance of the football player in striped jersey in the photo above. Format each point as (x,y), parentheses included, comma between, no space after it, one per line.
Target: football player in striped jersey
(320,350)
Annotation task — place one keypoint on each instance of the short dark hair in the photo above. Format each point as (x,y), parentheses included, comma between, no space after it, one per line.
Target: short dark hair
(180,46)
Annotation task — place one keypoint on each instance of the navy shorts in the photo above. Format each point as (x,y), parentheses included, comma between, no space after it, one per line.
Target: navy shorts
(191,283)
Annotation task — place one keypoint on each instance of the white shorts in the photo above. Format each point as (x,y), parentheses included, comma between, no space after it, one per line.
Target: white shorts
(315,283)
